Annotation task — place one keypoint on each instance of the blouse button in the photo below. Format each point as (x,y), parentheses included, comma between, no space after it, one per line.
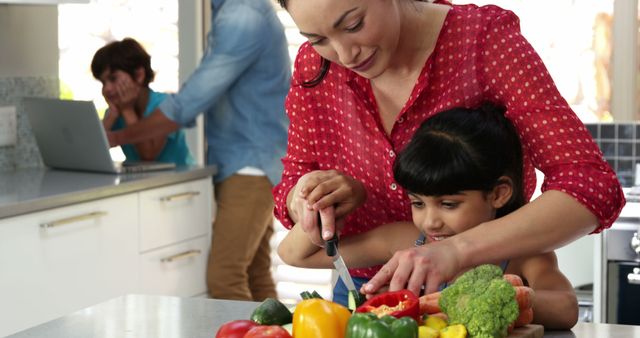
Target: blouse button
(393,186)
(400,120)
(392,153)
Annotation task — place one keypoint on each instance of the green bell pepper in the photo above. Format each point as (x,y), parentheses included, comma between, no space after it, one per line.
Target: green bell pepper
(368,325)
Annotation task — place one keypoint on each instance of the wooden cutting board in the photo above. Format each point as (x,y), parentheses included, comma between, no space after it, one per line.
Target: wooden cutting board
(529,331)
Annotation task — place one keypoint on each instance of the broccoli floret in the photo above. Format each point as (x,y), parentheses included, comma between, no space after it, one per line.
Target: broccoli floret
(482,301)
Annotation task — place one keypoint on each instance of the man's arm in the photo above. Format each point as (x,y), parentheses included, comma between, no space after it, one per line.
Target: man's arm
(151,127)
(149,149)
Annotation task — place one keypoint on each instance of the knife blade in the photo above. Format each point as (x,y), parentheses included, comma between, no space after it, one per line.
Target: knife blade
(331,247)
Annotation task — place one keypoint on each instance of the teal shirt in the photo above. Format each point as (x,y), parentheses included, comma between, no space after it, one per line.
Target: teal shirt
(175,149)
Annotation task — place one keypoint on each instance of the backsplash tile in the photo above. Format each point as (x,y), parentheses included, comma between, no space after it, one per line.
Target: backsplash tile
(620,145)
(25,153)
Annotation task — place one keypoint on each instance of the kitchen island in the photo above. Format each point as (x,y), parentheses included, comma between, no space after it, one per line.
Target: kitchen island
(172,317)
(69,240)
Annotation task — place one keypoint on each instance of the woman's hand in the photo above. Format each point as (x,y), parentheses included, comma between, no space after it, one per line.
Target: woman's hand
(427,266)
(330,193)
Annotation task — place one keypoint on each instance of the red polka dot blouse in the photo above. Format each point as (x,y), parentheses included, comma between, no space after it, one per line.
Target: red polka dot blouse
(480,55)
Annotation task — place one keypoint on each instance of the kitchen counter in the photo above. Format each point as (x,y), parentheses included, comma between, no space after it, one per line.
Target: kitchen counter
(30,190)
(160,316)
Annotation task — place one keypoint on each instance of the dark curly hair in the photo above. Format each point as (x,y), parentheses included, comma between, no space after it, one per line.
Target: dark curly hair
(126,55)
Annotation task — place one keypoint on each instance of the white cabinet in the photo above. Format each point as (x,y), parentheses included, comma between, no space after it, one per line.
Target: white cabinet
(62,260)
(174,213)
(576,260)
(178,270)
(175,235)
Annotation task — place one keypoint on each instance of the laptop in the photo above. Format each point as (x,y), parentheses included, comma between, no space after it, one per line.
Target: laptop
(70,136)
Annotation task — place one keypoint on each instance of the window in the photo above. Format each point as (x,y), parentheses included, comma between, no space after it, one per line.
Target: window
(84,28)
(573,38)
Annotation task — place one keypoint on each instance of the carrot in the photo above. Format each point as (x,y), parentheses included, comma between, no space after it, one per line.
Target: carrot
(432,295)
(429,303)
(524,297)
(514,280)
(525,317)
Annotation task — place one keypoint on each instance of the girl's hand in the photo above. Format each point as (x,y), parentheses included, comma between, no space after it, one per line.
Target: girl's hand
(332,194)
(429,265)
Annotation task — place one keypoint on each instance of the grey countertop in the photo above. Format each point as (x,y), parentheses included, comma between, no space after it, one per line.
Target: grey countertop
(30,190)
(170,317)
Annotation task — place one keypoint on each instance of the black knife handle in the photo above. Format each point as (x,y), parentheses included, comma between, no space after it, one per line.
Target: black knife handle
(330,245)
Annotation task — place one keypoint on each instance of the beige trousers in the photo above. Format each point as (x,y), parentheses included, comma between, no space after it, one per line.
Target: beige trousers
(240,257)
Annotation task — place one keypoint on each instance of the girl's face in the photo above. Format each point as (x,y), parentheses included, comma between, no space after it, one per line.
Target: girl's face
(358,34)
(114,82)
(439,217)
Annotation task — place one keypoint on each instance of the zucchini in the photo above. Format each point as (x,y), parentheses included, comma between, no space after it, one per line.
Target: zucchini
(310,295)
(272,312)
(355,299)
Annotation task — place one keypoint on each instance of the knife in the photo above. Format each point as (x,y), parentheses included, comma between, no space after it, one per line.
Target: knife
(331,246)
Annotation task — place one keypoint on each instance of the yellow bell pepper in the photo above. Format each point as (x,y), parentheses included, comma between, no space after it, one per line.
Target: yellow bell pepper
(435,323)
(427,332)
(454,331)
(320,318)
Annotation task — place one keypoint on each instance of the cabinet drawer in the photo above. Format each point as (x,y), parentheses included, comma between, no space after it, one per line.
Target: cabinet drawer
(174,213)
(61,260)
(178,270)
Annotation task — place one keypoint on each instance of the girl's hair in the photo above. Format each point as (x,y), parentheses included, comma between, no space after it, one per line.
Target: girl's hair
(126,55)
(463,149)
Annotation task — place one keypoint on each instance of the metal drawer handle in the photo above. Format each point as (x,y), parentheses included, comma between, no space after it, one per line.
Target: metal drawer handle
(182,255)
(634,277)
(73,219)
(188,194)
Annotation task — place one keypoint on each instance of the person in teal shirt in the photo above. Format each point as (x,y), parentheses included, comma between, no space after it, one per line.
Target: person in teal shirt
(124,69)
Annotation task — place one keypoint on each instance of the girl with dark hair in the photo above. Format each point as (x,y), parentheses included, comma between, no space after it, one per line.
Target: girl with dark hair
(461,168)
(124,69)
(370,73)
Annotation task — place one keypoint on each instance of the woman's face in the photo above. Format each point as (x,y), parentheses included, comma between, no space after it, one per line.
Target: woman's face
(358,34)
(439,217)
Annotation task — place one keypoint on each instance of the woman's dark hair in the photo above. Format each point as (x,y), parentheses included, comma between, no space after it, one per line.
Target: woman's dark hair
(324,63)
(463,149)
(126,55)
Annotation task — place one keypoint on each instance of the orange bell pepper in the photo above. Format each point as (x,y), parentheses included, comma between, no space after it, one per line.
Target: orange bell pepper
(320,318)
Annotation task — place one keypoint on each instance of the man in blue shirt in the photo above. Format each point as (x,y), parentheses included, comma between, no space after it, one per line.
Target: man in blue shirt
(241,83)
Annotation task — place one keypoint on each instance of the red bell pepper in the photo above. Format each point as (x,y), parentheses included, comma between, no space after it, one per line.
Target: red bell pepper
(401,303)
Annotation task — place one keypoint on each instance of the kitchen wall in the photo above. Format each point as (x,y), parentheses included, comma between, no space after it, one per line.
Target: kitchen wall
(620,144)
(28,67)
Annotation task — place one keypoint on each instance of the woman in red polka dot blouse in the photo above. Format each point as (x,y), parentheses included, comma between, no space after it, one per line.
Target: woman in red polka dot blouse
(370,73)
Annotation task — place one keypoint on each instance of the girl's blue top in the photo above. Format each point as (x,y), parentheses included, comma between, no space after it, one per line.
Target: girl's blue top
(175,149)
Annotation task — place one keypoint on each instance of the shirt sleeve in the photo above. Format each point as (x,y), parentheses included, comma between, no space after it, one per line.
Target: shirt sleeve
(233,44)
(554,140)
(300,157)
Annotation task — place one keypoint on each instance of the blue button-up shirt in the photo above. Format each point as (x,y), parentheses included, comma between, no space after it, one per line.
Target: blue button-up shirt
(241,83)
